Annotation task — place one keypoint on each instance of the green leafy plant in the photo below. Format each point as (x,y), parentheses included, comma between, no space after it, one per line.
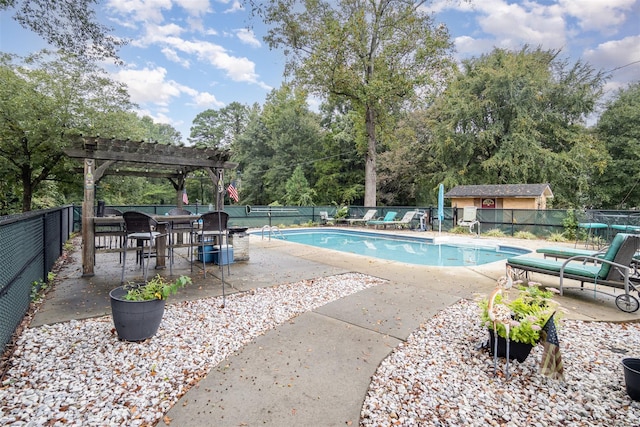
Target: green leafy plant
(557,237)
(530,311)
(156,288)
(525,235)
(342,212)
(494,232)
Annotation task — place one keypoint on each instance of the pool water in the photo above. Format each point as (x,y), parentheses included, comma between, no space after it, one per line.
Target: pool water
(411,250)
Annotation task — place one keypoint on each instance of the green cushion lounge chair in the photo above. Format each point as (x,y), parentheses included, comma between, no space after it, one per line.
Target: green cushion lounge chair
(388,219)
(611,268)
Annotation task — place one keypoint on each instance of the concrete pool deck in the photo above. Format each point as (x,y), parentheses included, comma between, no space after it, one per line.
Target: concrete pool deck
(316,368)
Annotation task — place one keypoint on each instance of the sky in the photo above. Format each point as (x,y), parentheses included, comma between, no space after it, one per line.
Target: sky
(187,56)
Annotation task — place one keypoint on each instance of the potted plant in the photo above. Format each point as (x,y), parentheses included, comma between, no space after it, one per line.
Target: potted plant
(529,312)
(137,308)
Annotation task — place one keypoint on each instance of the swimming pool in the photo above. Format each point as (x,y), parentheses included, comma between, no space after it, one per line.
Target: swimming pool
(408,249)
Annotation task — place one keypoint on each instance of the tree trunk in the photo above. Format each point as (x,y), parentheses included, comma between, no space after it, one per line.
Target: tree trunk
(370,174)
(27,189)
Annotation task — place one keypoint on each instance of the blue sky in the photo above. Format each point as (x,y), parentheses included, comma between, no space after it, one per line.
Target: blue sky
(186,56)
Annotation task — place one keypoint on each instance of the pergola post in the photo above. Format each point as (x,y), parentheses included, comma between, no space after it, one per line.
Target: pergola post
(88,251)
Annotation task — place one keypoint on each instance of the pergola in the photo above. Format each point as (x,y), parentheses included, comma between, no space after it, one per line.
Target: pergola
(103,156)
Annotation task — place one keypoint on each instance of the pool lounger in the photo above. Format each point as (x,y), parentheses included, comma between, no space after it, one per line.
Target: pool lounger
(611,268)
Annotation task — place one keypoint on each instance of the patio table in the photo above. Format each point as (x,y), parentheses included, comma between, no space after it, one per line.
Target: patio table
(164,226)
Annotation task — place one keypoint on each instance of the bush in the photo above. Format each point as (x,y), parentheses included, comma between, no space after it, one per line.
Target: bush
(525,235)
(495,232)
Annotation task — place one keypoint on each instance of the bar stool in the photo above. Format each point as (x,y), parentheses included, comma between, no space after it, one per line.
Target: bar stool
(142,228)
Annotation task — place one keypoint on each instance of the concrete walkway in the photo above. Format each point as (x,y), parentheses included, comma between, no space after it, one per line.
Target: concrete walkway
(315,369)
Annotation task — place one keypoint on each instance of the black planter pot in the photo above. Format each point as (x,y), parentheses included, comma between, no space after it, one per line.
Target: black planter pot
(632,377)
(135,320)
(517,350)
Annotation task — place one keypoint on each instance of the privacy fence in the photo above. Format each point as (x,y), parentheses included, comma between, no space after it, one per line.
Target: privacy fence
(31,243)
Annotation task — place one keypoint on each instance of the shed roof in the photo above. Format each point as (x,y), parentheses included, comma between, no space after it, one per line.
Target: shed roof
(501,190)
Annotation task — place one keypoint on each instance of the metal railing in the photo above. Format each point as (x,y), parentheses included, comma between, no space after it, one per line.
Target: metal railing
(30,244)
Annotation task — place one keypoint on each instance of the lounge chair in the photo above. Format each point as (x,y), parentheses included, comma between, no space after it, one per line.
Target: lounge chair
(371,213)
(611,268)
(325,218)
(561,252)
(469,218)
(388,218)
(406,220)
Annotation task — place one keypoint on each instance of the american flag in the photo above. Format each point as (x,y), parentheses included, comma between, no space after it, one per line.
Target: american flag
(551,364)
(233,193)
(185,198)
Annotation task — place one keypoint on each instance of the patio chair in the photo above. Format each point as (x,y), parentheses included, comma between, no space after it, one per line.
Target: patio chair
(143,229)
(371,213)
(182,227)
(405,221)
(209,239)
(469,218)
(611,268)
(388,218)
(325,218)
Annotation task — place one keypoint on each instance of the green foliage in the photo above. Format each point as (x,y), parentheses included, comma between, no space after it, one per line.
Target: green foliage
(516,117)
(298,191)
(619,128)
(530,311)
(156,288)
(524,235)
(342,212)
(570,224)
(374,57)
(71,26)
(557,237)
(494,232)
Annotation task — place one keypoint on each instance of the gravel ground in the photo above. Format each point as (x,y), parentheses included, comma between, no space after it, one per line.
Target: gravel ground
(78,373)
(439,377)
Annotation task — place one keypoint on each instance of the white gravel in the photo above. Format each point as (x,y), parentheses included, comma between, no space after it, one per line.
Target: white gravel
(79,374)
(439,378)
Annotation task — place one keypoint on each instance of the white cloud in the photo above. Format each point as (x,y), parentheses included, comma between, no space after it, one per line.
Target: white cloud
(173,56)
(620,58)
(236,6)
(246,36)
(194,7)
(206,100)
(236,68)
(148,85)
(141,10)
(598,15)
(531,23)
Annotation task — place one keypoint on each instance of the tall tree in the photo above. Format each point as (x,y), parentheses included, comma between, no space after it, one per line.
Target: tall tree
(219,128)
(298,191)
(619,128)
(518,117)
(374,54)
(43,102)
(69,25)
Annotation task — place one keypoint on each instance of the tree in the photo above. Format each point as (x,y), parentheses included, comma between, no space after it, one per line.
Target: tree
(619,128)
(374,55)
(45,101)
(518,117)
(161,133)
(298,191)
(219,128)
(69,25)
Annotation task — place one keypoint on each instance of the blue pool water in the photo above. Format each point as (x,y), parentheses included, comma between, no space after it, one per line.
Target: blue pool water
(411,250)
